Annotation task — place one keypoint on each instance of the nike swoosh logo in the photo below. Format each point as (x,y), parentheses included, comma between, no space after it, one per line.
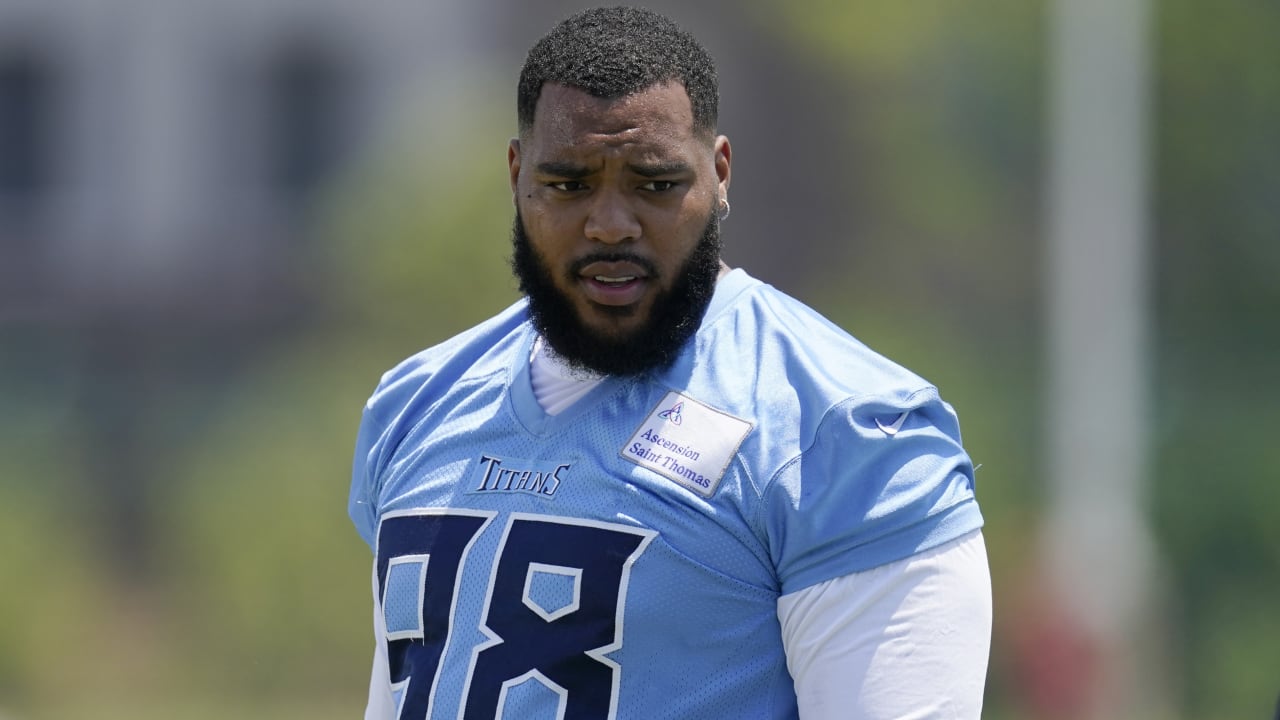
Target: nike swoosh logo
(893,429)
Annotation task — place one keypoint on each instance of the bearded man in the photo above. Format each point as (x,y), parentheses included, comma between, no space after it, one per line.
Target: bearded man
(656,487)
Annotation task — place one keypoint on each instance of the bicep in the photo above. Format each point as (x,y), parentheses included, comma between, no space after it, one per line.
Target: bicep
(909,639)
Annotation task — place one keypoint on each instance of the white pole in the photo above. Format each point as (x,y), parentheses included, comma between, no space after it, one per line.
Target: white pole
(1097,548)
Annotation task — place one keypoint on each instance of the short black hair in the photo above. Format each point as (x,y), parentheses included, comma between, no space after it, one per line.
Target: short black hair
(615,52)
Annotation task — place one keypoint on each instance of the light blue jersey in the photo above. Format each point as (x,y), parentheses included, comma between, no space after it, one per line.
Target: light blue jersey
(624,558)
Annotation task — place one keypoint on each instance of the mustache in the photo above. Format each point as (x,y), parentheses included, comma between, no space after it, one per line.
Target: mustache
(614,256)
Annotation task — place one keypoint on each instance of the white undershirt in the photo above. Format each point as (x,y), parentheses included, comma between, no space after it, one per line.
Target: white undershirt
(556,384)
(905,640)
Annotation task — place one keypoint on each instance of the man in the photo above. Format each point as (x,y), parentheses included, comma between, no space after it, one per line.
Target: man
(655,487)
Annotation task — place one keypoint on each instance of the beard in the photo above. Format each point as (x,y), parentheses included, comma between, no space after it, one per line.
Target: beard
(674,317)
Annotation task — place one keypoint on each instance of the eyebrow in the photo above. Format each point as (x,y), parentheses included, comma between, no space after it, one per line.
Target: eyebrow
(574,171)
(652,170)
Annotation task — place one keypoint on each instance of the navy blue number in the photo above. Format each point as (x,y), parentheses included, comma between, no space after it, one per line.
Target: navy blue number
(559,649)
(420,556)
(413,655)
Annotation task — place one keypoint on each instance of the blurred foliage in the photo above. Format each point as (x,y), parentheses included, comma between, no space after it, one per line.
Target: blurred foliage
(943,101)
(1217,246)
(51,588)
(260,604)
(263,547)
(257,548)
(418,239)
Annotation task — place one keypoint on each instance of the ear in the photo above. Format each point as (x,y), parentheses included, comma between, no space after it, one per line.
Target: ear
(513,165)
(724,161)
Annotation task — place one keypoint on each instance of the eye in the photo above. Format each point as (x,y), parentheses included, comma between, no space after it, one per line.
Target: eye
(658,185)
(567,186)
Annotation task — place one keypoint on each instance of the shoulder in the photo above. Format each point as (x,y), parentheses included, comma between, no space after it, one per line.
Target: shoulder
(838,459)
(857,460)
(763,351)
(478,352)
(409,392)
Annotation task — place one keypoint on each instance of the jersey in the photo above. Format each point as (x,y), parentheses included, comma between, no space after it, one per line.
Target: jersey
(624,558)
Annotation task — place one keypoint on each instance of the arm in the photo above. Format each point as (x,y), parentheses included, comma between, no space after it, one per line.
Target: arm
(909,639)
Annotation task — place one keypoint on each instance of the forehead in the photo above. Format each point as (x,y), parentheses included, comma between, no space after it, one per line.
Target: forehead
(657,118)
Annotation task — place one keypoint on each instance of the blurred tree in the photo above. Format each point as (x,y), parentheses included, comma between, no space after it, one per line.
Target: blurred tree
(419,239)
(51,590)
(261,548)
(1218,252)
(942,147)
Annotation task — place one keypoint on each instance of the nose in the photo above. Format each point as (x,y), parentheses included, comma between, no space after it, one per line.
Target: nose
(611,220)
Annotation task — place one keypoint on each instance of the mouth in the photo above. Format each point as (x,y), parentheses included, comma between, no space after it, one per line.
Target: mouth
(613,280)
(614,284)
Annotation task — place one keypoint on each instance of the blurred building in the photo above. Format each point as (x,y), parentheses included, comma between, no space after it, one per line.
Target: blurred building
(158,163)
(157,157)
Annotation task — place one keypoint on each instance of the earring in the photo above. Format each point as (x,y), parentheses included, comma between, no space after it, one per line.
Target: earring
(724,209)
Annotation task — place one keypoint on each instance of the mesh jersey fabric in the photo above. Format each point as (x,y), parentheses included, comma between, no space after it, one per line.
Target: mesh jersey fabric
(570,565)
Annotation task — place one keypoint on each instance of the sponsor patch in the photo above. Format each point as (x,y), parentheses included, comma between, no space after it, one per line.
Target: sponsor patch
(687,442)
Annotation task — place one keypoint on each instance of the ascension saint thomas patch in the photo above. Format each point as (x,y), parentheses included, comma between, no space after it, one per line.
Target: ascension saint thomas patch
(687,442)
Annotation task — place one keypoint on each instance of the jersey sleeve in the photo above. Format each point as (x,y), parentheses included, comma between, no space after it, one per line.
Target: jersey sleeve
(361,503)
(881,481)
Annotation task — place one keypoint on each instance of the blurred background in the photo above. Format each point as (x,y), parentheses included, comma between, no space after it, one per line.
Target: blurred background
(221,220)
